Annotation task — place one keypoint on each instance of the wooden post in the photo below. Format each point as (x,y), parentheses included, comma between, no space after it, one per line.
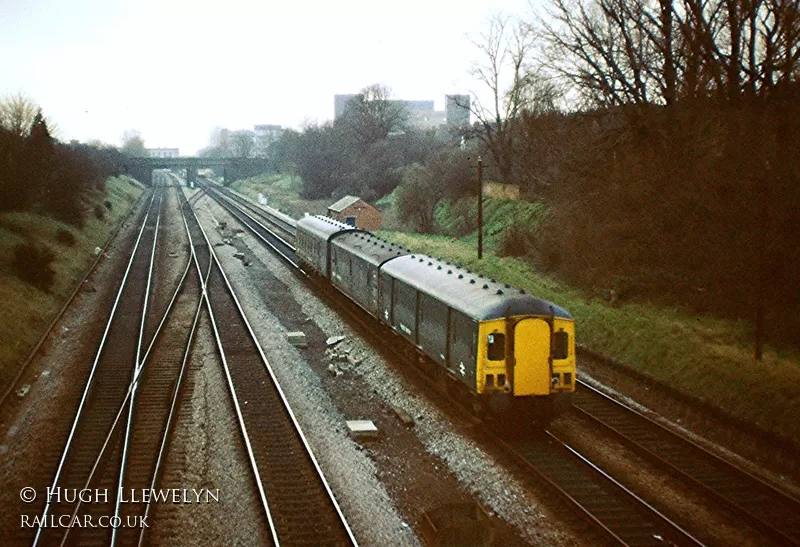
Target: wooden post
(480,208)
(761,291)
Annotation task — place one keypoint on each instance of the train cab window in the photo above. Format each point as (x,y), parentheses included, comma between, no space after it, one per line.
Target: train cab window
(350,221)
(560,344)
(496,348)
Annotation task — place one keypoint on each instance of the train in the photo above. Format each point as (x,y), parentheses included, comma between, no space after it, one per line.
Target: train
(506,353)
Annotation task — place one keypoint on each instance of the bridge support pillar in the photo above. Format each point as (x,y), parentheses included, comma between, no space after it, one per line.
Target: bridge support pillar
(191,175)
(225,176)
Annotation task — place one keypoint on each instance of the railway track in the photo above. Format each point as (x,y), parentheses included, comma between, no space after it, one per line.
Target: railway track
(620,515)
(274,218)
(61,311)
(92,432)
(156,391)
(773,512)
(298,504)
(282,245)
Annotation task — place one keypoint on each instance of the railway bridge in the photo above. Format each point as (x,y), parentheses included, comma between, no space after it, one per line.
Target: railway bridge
(232,168)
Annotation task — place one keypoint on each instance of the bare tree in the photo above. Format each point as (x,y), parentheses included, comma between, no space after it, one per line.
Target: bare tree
(133,144)
(372,115)
(416,198)
(220,144)
(17,113)
(242,143)
(658,51)
(505,47)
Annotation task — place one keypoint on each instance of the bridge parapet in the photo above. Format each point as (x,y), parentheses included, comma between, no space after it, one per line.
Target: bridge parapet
(232,168)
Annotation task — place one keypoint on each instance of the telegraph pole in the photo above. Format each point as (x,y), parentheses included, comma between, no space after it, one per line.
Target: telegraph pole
(480,208)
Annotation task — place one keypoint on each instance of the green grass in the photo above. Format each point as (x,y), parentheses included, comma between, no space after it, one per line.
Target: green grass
(705,357)
(282,193)
(27,310)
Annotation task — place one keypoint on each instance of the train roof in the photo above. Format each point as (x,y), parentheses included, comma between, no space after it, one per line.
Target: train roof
(474,295)
(324,227)
(369,247)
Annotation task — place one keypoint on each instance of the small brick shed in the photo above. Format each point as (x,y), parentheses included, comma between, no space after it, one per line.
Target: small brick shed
(356,212)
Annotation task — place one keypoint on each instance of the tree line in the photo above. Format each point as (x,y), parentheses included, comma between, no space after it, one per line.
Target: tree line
(662,136)
(37,172)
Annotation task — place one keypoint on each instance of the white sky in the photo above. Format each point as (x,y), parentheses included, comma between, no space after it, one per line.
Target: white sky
(174,69)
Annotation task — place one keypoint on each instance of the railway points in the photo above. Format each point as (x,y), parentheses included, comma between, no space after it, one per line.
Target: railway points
(134,451)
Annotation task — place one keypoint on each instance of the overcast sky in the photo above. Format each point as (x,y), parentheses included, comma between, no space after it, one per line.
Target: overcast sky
(175,69)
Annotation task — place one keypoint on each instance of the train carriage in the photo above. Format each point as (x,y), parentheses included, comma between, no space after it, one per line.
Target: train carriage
(356,259)
(313,239)
(508,348)
(511,351)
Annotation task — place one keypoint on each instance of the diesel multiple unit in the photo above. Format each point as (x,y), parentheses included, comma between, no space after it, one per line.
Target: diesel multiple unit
(509,350)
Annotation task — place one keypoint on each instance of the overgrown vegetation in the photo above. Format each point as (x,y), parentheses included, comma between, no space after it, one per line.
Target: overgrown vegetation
(660,136)
(33,264)
(39,173)
(706,357)
(50,274)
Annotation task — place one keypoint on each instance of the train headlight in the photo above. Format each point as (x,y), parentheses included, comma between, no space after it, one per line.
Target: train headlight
(554,380)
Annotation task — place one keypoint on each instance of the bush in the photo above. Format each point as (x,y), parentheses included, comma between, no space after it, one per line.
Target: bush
(99,212)
(514,241)
(65,237)
(32,264)
(107,203)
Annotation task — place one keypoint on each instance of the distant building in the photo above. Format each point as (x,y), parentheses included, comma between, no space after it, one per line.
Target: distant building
(356,212)
(265,135)
(163,152)
(419,114)
(457,109)
(340,104)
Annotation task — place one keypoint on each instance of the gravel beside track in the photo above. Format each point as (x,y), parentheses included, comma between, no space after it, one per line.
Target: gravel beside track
(299,503)
(448,455)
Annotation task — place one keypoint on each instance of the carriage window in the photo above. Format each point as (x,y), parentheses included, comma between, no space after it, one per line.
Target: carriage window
(496,348)
(560,344)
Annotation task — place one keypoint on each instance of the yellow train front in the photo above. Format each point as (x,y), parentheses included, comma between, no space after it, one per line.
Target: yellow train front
(508,352)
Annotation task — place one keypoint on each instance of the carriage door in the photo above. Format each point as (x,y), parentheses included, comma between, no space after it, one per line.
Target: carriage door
(531,357)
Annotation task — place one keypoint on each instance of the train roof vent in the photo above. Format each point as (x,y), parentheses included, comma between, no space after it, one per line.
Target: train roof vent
(383,246)
(412,256)
(522,291)
(499,291)
(422,260)
(449,271)
(430,263)
(508,286)
(493,281)
(472,281)
(439,267)
(485,286)
(461,276)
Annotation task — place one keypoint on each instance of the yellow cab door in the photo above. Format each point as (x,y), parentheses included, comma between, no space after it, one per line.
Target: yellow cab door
(531,357)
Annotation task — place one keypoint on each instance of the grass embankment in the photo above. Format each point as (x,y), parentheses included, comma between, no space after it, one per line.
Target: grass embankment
(26,309)
(282,193)
(705,357)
